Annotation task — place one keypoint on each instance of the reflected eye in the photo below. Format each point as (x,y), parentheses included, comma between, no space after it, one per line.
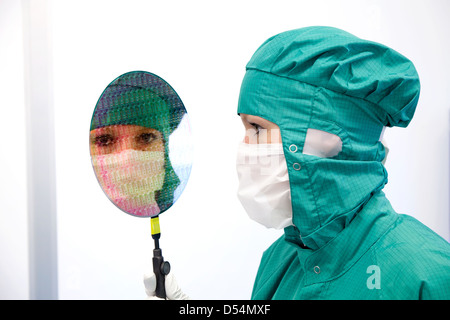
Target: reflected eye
(146,138)
(104,140)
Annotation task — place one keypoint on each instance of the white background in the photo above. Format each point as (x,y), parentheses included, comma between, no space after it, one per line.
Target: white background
(200,48)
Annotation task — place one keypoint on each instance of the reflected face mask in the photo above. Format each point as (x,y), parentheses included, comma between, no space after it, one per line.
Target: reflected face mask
(131,178)
(264,189)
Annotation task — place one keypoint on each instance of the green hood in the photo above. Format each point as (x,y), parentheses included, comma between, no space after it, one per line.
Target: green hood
(327,79)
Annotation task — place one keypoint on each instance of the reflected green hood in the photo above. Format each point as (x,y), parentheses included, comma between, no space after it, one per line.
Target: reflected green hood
(327,79)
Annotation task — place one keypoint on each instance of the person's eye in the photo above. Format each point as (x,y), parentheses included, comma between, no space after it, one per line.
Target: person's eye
(257,128)
(146,138)
(104,140)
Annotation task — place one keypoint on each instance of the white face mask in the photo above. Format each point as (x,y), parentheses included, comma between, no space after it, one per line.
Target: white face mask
(130,179)
(264,189)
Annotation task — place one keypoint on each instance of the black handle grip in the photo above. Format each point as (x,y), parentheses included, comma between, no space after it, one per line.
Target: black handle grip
(161,268)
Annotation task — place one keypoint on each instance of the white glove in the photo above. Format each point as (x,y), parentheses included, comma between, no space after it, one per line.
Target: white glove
(173,291)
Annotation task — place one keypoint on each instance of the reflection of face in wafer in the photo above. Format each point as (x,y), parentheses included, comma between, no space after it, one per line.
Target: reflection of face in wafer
(129,162)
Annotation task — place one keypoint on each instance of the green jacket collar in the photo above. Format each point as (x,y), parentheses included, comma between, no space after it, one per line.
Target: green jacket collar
(340,253)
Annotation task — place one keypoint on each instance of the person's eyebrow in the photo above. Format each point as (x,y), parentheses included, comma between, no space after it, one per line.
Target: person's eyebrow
(254,124)
(259,122)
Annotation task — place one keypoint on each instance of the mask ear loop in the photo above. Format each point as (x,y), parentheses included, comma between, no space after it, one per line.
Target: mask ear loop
(383,142)
(386,149)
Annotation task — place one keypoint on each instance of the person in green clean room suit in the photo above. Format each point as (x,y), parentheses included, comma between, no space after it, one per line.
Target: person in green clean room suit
(314,103)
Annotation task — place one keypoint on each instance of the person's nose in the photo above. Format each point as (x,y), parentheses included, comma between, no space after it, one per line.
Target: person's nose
(127,142)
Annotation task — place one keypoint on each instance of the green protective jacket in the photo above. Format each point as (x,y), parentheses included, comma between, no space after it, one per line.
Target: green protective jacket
(347,242)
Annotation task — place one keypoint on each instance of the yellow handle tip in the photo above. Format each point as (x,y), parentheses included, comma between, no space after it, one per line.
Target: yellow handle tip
(154,224)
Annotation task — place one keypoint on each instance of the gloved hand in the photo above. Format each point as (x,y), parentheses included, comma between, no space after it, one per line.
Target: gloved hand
(173,291)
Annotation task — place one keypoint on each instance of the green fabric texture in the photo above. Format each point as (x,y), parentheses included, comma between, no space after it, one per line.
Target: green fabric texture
(411,261)
(139,98)
(327,79)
